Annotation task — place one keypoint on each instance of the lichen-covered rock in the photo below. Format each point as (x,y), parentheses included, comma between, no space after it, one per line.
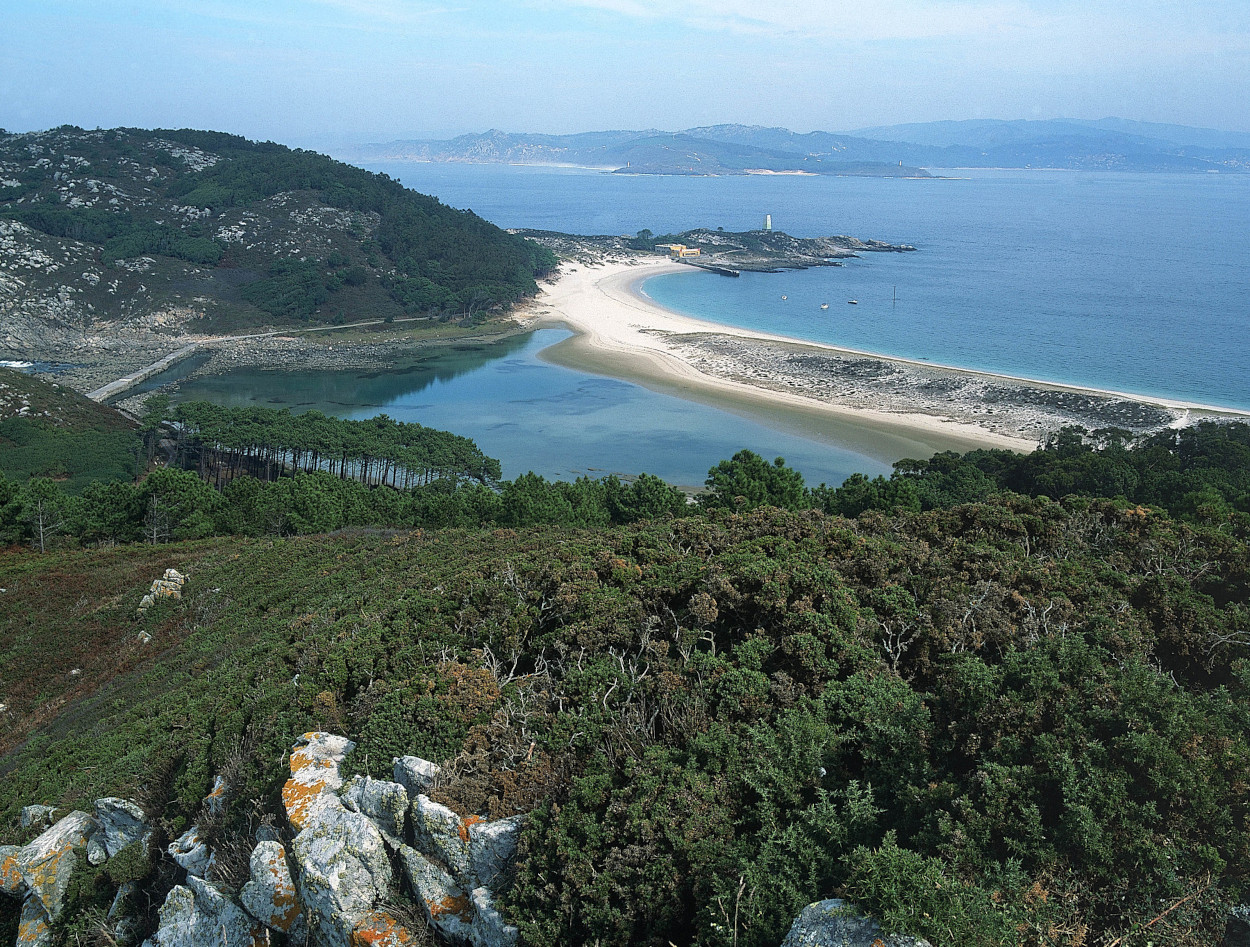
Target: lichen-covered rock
(191,853)
(343,871)
(414,774)
(270,895)
(120,822)
(489,927)
(379,929)
(834,923)
(448,908)
(97,854)
(492,848)
(36,816)
(215,801)
(33,927)
(10,873)
(199,915)
(440,834)
(46,864)
(384,802)
(315,762)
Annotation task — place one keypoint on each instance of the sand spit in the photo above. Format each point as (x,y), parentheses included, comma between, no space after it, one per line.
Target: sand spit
(884,407)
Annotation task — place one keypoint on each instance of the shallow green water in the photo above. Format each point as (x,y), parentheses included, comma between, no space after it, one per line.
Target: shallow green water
(535,416)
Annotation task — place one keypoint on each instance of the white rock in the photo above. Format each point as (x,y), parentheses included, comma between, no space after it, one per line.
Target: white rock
(121,823)
(97,854)
(315,762)
(384,802)
(343,870)
(415,774)
(33,928)
(190,852)
(199,915)
(270,895)
(447,907)
(442,835)
(36,816)
(489,927)
(492,848)
(836,922)
(215,801)
(11,882)
(46,863)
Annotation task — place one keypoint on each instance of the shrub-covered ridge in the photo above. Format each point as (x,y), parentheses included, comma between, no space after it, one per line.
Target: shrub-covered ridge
(1019,721)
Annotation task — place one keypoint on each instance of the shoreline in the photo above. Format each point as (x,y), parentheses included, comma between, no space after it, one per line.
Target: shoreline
(885,407)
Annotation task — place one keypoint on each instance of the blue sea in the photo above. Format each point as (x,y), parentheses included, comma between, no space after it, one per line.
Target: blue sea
(1130,282)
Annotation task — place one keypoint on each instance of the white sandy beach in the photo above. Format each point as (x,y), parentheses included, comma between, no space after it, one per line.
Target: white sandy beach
(621,333)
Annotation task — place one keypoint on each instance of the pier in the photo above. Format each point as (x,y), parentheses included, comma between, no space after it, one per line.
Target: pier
(714,268)
(114,388)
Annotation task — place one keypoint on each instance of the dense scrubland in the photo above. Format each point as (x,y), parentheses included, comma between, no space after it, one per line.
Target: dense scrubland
(991,699)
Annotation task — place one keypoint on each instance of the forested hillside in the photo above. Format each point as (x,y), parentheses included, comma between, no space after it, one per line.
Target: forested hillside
(181,229)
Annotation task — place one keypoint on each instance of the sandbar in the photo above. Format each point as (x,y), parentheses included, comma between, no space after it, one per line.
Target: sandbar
(880,406)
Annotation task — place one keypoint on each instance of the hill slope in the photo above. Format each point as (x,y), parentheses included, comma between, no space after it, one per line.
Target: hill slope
(1012,716)
(112,233)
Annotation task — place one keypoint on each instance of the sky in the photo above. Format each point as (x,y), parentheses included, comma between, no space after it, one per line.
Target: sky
(321,73)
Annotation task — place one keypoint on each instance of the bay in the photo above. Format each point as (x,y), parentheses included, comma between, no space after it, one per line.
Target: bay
(1131,282)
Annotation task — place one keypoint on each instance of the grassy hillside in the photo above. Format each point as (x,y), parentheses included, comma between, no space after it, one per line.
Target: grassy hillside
(176,229)
(50,431)
(1015,721)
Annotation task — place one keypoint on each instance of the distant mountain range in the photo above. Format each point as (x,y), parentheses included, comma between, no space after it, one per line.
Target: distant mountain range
(889,151)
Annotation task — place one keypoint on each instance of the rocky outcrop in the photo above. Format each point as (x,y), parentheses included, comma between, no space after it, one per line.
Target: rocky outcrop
(191,853)
(451,866)
(384,802)
(198,915)
(270,895)
(120,823)
(39,872)
(835,922)
(329,892)
(36,816)
(314,765)
(167,587)
(46,864)
(415,774)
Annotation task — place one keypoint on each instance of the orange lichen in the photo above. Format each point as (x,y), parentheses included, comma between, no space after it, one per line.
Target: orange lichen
(33,928)
(379,929)
(465,823)
(459,905)
(10,875)
(299,798)
(286,904)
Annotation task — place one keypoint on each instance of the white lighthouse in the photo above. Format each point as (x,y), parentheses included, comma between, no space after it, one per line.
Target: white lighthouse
(768,221)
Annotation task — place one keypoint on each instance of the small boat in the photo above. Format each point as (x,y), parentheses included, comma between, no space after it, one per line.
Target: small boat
(852,302)
(824,305)
(785,297)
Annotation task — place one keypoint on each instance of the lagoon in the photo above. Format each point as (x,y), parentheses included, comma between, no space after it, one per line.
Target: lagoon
(535,416)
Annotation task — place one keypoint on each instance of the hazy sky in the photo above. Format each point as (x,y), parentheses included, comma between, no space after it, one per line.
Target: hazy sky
(323,72)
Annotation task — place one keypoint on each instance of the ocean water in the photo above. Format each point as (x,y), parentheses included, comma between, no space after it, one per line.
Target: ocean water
(536,416)
(1131,282)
